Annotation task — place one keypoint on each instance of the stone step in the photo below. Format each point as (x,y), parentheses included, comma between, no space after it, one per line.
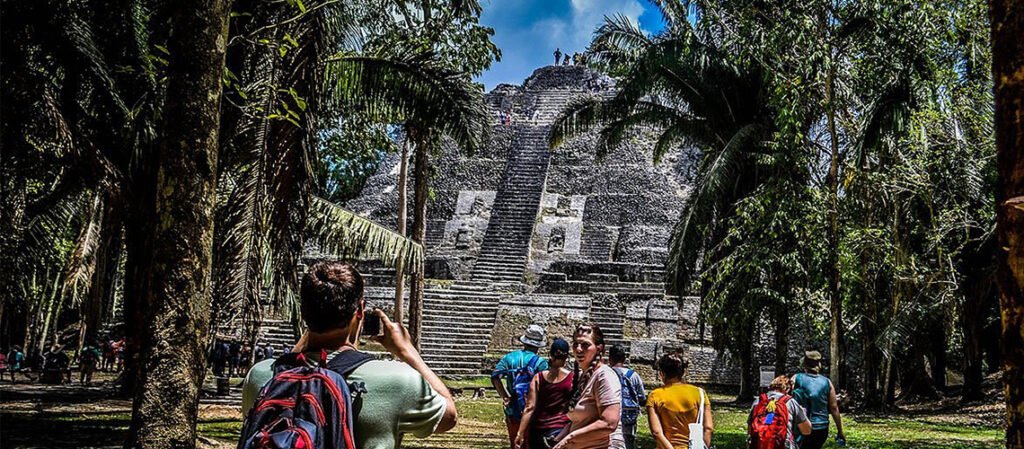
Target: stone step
(452,345)
(469,309)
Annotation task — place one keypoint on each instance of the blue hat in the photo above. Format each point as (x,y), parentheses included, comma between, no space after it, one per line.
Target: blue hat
(559,345)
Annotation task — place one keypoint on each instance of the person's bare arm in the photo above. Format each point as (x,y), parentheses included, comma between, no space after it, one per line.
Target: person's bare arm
(805,427)
(605,424)
(833,409)
(531,404)
(657,431)
(396,340)
(709,423)
(499,386)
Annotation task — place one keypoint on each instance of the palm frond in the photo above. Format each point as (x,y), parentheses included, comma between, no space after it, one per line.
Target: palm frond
(617,43)
(713,190)
(345,234)
(578,117)
(410,86)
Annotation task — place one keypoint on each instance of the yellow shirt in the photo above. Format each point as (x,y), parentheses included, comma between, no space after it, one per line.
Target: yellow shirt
(676,407)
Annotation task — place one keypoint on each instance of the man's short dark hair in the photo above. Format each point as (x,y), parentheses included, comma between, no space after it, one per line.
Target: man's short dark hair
(330,294)
(618,354)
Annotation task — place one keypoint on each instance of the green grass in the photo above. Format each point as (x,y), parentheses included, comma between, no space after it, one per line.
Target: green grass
(481,426)
(469,382)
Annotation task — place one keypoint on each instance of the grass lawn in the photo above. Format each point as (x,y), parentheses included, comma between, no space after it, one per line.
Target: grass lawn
(481,426)
(73,420)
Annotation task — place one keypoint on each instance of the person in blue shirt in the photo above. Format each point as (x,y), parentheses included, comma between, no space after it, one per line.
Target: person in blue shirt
(633,394)
(514,363)
(816,394)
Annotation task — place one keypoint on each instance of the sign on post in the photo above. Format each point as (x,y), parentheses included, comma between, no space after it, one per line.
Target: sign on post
(767,374)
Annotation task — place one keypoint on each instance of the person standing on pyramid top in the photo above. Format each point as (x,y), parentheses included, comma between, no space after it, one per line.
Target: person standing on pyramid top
(512,377)
(558,56)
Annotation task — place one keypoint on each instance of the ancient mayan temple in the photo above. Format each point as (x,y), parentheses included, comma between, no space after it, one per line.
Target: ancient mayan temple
(518,233)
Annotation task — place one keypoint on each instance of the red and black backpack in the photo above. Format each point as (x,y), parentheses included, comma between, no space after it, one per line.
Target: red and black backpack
(770,423)
(306,406)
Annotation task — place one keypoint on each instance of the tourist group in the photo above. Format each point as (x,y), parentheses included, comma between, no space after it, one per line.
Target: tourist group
(325,392)
(598,403)
(54,366)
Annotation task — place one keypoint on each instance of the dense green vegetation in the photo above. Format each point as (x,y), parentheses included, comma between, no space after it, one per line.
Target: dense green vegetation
(167,168)
(844,180)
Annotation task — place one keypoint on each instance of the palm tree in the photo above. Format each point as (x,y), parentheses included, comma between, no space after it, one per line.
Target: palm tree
(410,86)
(684,88)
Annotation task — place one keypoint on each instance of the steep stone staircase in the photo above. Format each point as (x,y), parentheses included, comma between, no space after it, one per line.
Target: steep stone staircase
(506,243)
(611,319)
(457,324)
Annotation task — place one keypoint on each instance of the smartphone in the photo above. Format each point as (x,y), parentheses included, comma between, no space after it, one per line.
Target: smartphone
(371,323)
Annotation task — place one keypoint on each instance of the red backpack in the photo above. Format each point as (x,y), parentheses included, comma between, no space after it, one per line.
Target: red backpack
(770,423)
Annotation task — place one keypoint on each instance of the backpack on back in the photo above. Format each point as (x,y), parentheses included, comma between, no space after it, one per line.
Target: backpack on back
(519,386)
(630,400)
(307,407)
(770,424)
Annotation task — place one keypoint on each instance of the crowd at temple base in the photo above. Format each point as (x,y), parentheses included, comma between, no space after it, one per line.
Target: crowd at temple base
(579,395)
(561,392)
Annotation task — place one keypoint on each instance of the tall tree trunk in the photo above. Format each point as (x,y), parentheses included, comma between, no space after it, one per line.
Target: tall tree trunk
(166,405)
(972,365)
(136,285)
(748,377)
(781,341)
(832,270)
(1007,18)
(419,232)
(403,188)
(105,271)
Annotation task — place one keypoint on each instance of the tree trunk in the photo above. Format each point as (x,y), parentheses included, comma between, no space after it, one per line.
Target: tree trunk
(105,271)
(832,270)
(173,358)
(403,188)
(1007,18)
(748,377)
(782,341)
(419,232)
(972,364)
(938,343)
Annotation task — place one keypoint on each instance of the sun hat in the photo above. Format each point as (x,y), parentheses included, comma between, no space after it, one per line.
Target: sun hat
(812,359)
(534,336)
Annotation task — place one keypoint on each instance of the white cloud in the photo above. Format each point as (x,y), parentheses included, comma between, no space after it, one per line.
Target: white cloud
(527,45)
(589,14)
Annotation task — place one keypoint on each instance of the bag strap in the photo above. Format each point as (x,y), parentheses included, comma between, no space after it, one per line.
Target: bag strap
(700,411)
(532,364)
(624,380)
(347,361)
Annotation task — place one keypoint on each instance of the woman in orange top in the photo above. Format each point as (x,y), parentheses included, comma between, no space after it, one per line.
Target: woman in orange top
(672,408)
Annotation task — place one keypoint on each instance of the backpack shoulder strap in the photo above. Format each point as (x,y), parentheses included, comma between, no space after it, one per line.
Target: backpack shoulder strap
(534,360)
(288,361)
(347,361)
(624,380)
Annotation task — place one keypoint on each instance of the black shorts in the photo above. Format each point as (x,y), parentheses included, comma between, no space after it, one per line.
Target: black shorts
(815,440)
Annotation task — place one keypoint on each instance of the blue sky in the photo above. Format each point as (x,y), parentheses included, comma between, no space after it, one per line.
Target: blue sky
(528,31)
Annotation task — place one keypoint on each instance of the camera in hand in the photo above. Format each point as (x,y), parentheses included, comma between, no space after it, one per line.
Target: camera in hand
(371,323)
